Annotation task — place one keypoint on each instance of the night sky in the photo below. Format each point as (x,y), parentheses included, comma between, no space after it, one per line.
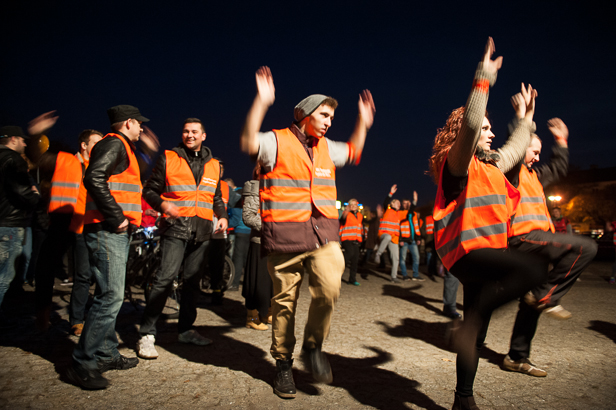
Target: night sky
(178,59)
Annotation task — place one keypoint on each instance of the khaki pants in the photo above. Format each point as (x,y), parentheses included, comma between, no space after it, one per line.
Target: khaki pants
(325,267)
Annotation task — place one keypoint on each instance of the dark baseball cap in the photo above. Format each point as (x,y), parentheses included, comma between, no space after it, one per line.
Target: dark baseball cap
(9,131)
(121,113)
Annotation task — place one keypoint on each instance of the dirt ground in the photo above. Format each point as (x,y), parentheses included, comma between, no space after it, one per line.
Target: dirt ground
(387,349)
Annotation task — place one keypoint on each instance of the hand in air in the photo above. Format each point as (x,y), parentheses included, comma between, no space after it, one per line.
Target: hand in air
(489,65)
(558,128)
(366,108)
(42,123)
(265,86)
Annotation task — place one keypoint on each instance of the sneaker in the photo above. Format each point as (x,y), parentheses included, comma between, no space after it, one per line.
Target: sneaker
(377,259)
(85,378)
(321,370)
(418,278)
(233,288)
(523,366)
(405,278)
(145,347)
(558,312)
(120,363)
(452,314)
(191,336)
(284,386)
(77,329)
(356,283)
(394,280)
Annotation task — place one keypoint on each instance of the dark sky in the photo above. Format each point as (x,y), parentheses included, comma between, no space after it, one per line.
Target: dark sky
(179,59)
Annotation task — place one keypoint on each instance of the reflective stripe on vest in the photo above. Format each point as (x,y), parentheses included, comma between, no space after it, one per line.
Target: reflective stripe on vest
(532,214)
(479,217)
(429,225)
(296,184)
(181,190)
(65,184)
(125,188)
(352,228)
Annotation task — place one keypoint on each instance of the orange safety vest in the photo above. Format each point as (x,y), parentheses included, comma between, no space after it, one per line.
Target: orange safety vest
(76,225)
(181,190)
(429,225)
(125,189)
(390,224)
(224,191)
(479,217)
(532,214)
(405,225)
(352,228)
(296,183)
(65,184)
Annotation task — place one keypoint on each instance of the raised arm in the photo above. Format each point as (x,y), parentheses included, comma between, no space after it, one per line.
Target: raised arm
(365,119)
(512,153)
(558,166)
(463,149)
(266,94)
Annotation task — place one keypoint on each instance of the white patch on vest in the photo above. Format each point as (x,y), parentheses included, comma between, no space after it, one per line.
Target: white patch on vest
(209,181)
(320,172)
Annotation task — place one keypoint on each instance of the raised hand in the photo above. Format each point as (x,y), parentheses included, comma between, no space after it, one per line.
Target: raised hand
(558,129)
(529,94)
(42,123)
(393,189)
(414,197)
(491,66)
(366,108)
(149,139)
(266,91)
(519,105)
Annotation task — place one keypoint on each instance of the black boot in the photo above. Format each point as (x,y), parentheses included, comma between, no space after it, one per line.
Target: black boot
(284,386)
(464,403)
(321,370)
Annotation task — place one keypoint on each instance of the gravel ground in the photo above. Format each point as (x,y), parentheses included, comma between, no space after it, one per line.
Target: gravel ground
(387,349)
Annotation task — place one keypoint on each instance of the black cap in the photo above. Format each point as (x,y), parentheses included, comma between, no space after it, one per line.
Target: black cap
(9,131)
(121,113)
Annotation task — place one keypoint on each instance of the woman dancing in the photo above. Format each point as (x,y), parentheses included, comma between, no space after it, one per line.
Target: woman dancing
(472,214)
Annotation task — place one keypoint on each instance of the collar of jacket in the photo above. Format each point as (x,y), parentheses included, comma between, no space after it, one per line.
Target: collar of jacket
(303,138)
(130,143)
(184,152)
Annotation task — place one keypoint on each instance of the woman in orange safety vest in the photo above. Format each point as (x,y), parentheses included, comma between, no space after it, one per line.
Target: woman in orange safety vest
(472,214)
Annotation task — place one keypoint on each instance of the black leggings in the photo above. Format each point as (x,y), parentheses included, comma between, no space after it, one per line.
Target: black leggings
(491,278)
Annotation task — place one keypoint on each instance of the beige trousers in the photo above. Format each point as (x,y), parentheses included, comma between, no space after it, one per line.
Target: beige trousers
(325,267)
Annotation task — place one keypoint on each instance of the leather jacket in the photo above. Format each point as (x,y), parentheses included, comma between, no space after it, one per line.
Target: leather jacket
(108,157)
(17,199)
(185,228)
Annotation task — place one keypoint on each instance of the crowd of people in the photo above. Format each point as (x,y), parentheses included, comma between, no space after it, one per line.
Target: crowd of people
(490,229)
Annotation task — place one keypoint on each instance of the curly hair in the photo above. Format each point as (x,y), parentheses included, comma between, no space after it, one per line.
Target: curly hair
(445,137)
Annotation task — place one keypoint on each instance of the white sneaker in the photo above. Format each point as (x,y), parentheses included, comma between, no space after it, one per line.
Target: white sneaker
(191,336)
(145,347)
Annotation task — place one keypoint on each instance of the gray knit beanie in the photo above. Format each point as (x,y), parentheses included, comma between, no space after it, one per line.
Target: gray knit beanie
(307,106)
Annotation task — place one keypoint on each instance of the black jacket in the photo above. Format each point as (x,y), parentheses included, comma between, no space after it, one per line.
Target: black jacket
(547,174)
(184,227)
(108,157)
(17,199)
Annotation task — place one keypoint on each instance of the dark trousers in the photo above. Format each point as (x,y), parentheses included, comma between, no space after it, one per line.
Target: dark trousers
(50,259)
(570,255)
(82,278)
(216,262)
(240,253)
(257,289)
(491,278)
(351,258)
(175,252)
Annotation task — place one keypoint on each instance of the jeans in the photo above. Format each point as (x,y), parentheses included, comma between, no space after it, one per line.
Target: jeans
(414,249)
(240,253)
(26,255)
(450,291)
(108,256)
(175,252)
(11,245)
(82,277)
(403,250)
